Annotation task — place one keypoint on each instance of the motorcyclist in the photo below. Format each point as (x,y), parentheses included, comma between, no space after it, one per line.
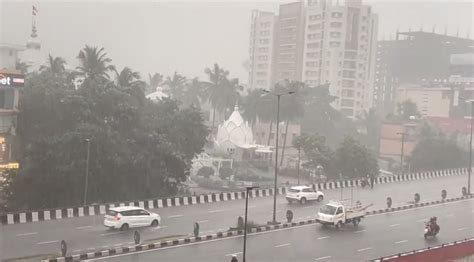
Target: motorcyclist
(433,225)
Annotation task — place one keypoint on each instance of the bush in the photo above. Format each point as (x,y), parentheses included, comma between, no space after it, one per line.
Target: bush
(251,178)
(205,171)
(225,172)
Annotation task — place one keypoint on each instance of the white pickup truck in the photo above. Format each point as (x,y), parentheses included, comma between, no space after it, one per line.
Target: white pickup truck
(337,214)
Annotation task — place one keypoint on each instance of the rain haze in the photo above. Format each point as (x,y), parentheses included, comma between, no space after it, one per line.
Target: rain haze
(187,36)
(236,130)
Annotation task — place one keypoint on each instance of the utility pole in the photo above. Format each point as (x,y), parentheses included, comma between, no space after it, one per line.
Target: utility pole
(403,134)
(276,149)
(86,182)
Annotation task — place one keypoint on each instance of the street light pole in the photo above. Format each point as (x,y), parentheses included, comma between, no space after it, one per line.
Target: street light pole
(276,149)
(247,189)
(401,153)
(299,154)
(470,152)
(87,171)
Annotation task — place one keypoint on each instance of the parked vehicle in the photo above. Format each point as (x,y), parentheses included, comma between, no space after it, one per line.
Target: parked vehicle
(337,214)
(129,216)
(303,194)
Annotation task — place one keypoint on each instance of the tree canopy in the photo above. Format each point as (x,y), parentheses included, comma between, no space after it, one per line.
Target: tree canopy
(138,148)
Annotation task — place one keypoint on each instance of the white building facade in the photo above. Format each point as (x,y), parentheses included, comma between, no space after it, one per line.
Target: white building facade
(339,47)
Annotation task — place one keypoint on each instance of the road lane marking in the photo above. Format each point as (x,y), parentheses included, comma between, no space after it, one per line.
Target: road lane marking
(91,248)
(364,249)
(319,238)
(175,216)
(83,227)
(422,220)
(462,228)
(401,241)
(394,225)
(322,258)
(203,221)
(449,215)
(27,234)
(283,245)
(48,242)
(77,250)
(158,227)
(111,233)
(307,207)
(231,254)
(360,231)
(217,210)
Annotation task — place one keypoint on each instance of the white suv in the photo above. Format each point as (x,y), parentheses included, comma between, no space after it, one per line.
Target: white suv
(303,194)
(130,216)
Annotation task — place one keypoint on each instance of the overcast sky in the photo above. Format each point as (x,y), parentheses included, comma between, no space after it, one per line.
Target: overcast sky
(188,36)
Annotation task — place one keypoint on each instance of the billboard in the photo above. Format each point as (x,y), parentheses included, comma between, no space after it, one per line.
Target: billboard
(11,80)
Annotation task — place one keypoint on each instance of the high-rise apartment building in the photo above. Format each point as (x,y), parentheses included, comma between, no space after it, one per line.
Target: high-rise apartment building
(324,42)
(289,42)
(262,36)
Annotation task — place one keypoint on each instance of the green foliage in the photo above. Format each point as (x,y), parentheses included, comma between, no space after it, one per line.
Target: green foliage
(225,172)
(205,171)
(138,149)
(435,153)
(406,109)
(354,160)
(316,152)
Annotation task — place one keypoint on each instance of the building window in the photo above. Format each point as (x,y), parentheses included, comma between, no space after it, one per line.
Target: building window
(336,24)
(7,98)
(336,14)
(264,41)
(261,82)
(261,73)
(347,103)
(348,74)
(334,44)
(350,55)
(347,93)
(314,17)
(314,27)
(312,54)
(335,34)
(263,58)
(263,49)
(262,66)
(312,45)
(314,36)
(272,135)
(311,64)
(311,73)
(348,83)
(347,111)
(350,64)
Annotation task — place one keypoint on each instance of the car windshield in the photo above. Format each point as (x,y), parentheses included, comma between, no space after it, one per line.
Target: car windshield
(112,213)
(291,190)
(328,210)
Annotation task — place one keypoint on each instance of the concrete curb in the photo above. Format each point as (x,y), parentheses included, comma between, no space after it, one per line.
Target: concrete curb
(100,209)
(220,235)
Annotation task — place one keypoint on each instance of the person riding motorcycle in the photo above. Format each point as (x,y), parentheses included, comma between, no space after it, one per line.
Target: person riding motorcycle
(433,225)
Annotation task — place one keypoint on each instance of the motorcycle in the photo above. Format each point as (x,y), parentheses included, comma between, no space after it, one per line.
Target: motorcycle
(431,231)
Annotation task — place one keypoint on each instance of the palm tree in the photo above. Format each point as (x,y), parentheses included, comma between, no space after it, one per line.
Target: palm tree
(176,85)
(21,66)
(127,78)
(154,81)
(55,65)
(220,91)
(291,107)
(94,63)
(250,105)
(193,93)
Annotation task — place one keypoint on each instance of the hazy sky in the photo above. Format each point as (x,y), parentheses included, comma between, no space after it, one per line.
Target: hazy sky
(188,36)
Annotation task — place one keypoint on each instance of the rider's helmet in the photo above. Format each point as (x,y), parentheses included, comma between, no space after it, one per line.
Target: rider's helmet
(434,219)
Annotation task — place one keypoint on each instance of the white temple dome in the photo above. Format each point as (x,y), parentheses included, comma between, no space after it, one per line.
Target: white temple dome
(234,132)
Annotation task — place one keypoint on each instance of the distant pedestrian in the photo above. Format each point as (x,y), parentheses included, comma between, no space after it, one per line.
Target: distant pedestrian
(372,182)
(234,259)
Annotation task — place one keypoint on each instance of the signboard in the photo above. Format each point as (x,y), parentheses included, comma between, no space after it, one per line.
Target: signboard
(11,80)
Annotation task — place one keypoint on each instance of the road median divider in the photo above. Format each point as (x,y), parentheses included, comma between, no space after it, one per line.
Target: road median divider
(167,242)
(101,209)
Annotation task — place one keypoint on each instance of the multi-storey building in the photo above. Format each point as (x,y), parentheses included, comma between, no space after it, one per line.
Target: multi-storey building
(261,49)
(289,42)
(414,58)
(325,42)
(340,48)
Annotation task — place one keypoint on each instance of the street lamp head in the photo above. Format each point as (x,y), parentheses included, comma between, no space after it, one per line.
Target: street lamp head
(87,140)
(251,187)
(291,92)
